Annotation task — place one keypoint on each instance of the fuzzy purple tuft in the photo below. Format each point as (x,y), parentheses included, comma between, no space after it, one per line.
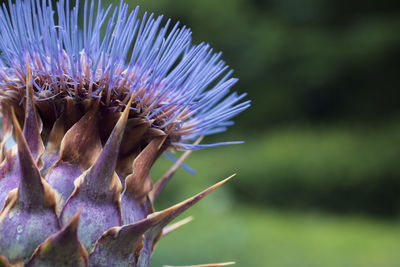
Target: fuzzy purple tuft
(177,87)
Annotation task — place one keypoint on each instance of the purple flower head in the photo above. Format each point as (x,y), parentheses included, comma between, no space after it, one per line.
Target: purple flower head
(177,87)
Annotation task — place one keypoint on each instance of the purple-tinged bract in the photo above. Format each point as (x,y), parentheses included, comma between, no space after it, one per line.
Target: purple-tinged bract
(98,106)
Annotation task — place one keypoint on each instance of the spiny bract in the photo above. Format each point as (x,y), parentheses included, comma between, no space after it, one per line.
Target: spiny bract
(98,106)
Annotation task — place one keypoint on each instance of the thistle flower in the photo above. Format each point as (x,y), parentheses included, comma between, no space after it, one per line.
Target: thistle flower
(98,106)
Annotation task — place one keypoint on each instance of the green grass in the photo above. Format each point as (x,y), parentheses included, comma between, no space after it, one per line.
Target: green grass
(256,237)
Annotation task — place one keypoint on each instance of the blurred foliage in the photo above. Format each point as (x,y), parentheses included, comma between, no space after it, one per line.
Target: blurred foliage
(313,60)
(337,169)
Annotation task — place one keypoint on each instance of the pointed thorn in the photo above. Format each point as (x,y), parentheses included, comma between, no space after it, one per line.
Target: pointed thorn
(81,143)
(169,229)
(23,148)
(162,182)
(162,218)
(64,245)
(158,220)
(184,205)
(31,190)
(120,126)
(138,184)
(115,247)
(32,125)
(18,132)
(101,173)
(72,226)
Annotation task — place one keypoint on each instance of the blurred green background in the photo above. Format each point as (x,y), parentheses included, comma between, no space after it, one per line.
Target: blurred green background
(318,179)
